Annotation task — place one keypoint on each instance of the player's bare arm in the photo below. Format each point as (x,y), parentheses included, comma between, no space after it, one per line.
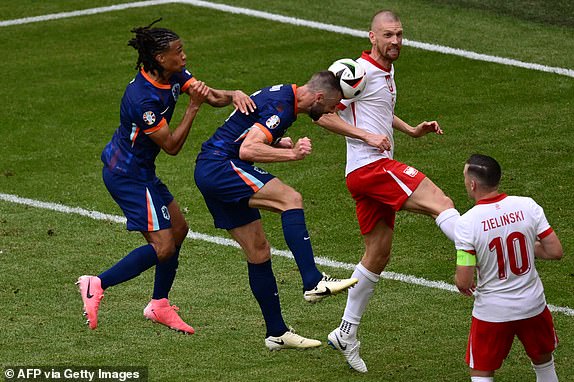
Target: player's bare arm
(257,148)
(336,124)
(464,279)
(284,143)
(548,248)
(241,101)
(419,130)
(172,141)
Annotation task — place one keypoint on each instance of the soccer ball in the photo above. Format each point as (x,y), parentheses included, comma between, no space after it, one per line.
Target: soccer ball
(351,76)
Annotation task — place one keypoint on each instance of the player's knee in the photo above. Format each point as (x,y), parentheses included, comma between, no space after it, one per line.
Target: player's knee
(540,359)
(447,202)
(260,252)
(293,199)
(438,199)
(262,246)
(180,232)
(164,251)
(442,203)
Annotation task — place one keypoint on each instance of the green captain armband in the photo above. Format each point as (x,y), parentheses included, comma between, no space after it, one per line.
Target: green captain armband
(464,258)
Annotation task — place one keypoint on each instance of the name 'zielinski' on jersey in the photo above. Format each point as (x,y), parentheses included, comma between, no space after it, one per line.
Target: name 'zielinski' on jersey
(503,220)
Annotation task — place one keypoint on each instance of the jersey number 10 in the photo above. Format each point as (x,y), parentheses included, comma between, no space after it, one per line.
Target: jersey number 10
(516,251)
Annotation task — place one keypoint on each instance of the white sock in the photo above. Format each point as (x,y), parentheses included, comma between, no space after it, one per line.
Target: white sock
(546,372)
(357,299)
(482,379)
(446,221)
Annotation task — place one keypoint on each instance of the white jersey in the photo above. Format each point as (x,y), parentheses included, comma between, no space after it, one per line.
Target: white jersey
(502,232)
(373,111)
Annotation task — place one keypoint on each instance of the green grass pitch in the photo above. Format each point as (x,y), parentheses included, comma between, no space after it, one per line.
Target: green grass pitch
(61,85)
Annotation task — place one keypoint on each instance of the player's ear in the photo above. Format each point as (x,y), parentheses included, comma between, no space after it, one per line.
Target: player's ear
(473,185)
(372,37)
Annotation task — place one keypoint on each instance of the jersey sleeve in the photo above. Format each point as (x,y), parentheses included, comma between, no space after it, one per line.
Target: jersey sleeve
(464,235)
(543,228)
(275,117)
(185,80)
(150,119)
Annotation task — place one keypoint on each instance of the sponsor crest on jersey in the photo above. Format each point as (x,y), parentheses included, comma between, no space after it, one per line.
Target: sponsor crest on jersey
(272,122)
(411,171)
(165,212)
(175,91)
(149,117)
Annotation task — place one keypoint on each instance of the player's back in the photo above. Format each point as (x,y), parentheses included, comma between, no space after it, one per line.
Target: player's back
(275,111)
(503,231)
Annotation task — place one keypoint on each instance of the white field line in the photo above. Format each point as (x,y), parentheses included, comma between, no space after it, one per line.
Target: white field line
(231,243)
(299,22)
(83,12)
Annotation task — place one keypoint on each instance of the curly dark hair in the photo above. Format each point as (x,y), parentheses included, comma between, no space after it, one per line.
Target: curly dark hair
(149,42)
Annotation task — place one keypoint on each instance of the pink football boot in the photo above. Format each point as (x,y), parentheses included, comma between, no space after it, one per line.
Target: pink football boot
(161,312)
(92,293)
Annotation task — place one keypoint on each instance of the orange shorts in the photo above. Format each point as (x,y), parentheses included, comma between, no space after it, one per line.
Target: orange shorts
(380,189)
(489,342)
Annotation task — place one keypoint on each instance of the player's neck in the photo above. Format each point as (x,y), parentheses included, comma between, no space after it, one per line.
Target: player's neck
(483,195)
(304,99)
(385,63)
(162,79)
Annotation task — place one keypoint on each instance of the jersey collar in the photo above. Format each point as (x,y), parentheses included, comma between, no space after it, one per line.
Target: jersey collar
(367,56)
(154,82)
(294,87)
(494,199)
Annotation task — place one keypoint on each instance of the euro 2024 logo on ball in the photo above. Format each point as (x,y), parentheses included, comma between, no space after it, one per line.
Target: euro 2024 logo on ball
(351,75)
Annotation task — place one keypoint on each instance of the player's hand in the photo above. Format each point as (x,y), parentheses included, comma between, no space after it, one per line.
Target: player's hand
(302,148)
(468,292)
(285,143)
(425,127)
(379,141)
(243,102)
(198,92)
